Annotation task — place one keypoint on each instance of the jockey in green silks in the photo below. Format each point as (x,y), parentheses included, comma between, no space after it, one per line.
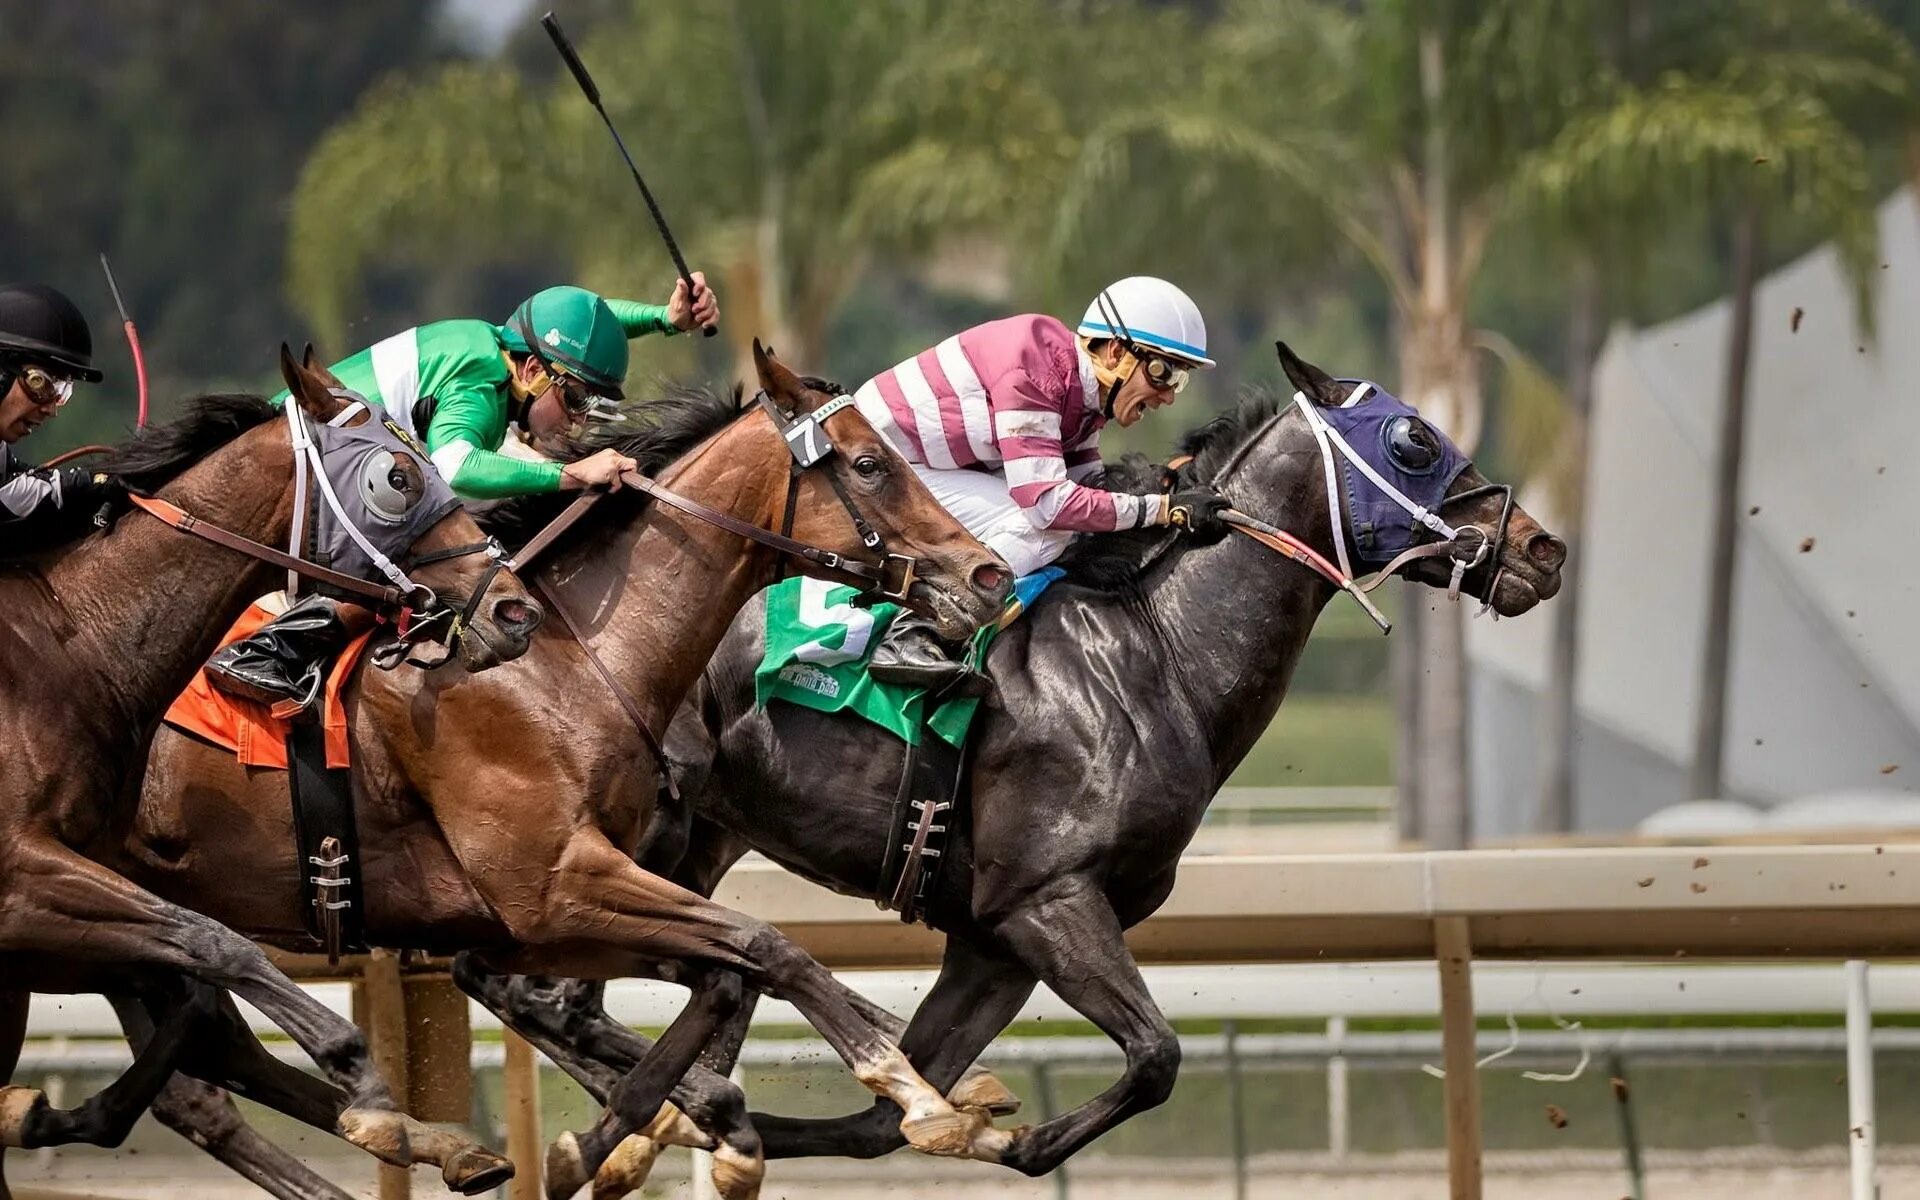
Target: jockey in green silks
(458,388)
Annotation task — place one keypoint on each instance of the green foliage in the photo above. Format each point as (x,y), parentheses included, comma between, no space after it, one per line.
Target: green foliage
(169,136)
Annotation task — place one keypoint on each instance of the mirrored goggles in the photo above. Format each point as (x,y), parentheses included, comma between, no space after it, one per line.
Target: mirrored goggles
(43,387)
(1163,373)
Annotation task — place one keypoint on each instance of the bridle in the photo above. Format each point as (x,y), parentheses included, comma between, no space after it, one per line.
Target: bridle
(1467,545)
(418,609)
(808,445)
(891,579)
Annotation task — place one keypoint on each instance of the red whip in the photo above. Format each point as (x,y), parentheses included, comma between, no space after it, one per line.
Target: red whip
(133,342)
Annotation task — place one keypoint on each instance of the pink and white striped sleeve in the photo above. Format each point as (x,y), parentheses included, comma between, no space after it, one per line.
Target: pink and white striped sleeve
(1042,483)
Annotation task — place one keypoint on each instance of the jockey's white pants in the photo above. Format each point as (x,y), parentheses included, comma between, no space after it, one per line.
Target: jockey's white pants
(981,501)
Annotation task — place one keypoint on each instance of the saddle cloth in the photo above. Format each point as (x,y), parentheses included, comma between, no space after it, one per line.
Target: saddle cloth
(257,738)
(818,646)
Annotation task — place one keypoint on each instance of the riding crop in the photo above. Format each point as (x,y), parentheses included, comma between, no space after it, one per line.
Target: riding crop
(592,92)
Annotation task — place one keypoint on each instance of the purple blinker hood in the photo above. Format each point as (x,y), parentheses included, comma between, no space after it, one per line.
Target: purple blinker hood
(1378,429)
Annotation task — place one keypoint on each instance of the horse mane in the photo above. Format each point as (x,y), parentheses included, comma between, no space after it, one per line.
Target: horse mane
(657,433)
(1212,444)
(1118,562)
(158,453)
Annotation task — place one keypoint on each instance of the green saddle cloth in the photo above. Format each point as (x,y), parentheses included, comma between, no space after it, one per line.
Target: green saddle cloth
(818,645)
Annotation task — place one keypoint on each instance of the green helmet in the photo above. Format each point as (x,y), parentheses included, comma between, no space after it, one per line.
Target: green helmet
(572,329)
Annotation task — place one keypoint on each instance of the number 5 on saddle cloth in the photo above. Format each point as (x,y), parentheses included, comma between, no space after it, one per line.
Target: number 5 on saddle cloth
(818,645)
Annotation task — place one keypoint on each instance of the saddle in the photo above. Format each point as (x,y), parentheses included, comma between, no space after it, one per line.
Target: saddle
(318,761)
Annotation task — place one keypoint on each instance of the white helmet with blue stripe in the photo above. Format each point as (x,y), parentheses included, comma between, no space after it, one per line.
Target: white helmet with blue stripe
(1153,313)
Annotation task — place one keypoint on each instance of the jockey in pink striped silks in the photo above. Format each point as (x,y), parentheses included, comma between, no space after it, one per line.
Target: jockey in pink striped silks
(1002,423)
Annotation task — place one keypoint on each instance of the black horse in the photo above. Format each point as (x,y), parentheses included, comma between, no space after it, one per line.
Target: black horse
(1121,704)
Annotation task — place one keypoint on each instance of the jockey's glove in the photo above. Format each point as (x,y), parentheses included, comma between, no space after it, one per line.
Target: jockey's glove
(1196,512)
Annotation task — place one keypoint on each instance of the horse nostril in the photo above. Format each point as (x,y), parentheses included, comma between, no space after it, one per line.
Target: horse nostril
(518,616)
(992,580)
(1547,551)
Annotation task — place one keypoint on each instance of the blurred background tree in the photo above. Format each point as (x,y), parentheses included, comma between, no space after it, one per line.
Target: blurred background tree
(1453,198)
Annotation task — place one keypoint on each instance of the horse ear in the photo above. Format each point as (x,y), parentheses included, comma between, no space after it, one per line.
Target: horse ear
(774,376)
(1315,384)
(319,369)
(308,387)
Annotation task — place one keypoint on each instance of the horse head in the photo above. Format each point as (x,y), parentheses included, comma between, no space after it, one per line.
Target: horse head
(385,511)
(862,498)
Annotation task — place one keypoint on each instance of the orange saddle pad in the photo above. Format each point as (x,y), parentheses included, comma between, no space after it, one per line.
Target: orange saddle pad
(258,738)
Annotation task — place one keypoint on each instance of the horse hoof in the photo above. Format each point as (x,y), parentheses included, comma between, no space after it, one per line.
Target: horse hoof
(566,1168)
(942,1130)
(982,1089)
(737,1176)
(476,1170)
(626,1169)
(379,1132)
(17,1107)
(671,1127)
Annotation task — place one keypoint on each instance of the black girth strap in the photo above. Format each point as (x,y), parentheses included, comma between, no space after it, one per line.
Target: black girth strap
(328,841)
(925,810)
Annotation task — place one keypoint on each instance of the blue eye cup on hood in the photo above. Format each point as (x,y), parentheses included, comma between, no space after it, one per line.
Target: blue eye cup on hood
(1380,527)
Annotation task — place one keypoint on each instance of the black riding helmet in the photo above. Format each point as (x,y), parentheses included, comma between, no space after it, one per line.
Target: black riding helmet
(40,325)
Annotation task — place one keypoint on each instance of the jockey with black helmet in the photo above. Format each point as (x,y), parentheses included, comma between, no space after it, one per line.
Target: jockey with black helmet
(45,349)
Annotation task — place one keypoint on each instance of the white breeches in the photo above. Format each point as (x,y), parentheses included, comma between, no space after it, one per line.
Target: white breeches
(980,501)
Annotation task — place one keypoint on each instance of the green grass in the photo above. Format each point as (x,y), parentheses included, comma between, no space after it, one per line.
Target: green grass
(1324,741)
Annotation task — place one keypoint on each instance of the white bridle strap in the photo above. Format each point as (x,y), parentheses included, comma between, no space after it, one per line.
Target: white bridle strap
(1323,432)
(297,435)
(1320,432)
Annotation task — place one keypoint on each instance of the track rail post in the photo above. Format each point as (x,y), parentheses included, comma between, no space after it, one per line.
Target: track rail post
(1453,947)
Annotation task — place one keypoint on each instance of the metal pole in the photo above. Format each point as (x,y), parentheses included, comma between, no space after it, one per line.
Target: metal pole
(1237,1108)
(1453,946)
(1629,1136)
(1043,1097)
(1339,1095)
(1860,1139)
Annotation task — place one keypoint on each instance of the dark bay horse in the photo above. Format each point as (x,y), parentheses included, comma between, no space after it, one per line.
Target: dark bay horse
(1122,704)
(95,641)
(501,816)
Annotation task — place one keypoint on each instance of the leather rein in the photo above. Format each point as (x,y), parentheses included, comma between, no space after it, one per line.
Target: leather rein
(891,579)
(419,609)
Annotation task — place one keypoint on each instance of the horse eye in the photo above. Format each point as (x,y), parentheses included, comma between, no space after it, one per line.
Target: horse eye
(1412,444)
(867,465)
(397,480)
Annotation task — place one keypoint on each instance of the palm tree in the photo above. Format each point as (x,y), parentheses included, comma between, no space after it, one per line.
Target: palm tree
(736,114)
(1420,131)
(1401,125)
(1752,108)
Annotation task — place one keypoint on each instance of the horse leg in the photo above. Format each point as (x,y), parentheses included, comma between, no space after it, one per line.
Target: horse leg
(566,1020)
(635,1101)
(13,1035)
(65,906)
(603,898)
(203,1115)
(107,1117)
(975,997)
(1072,940)
(236,1059)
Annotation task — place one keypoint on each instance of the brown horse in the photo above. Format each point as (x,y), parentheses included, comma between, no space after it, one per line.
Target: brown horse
(96,641)
(502,816)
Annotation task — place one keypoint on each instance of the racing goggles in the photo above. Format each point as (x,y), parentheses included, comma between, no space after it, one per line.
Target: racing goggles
(43,387)
(1162,372)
